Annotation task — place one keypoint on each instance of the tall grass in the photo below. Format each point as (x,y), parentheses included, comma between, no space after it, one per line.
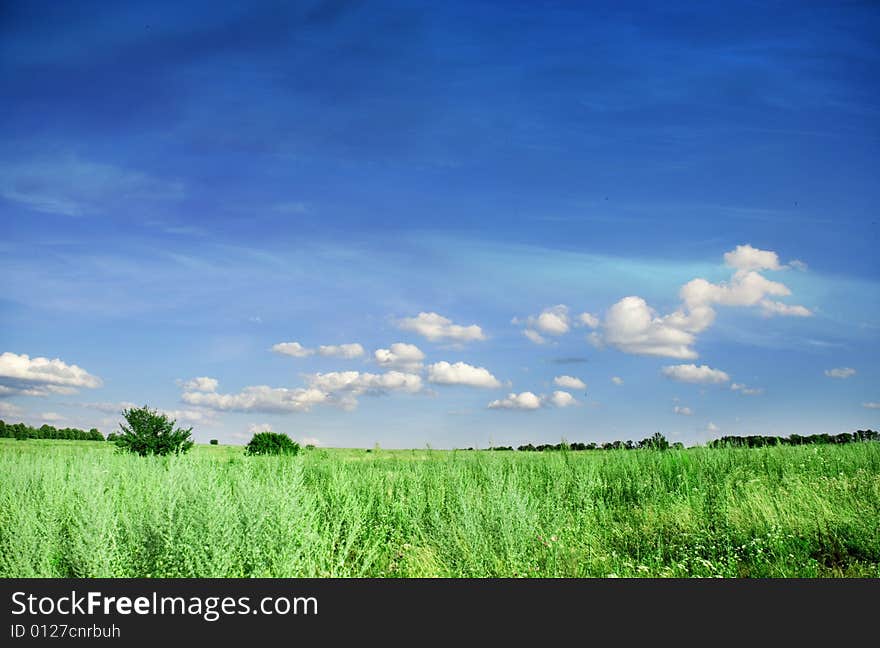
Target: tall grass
(83,510)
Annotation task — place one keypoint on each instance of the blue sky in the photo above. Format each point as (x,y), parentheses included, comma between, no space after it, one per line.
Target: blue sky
(522,188)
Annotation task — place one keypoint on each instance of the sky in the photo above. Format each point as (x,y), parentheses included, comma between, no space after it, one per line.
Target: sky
(456,224)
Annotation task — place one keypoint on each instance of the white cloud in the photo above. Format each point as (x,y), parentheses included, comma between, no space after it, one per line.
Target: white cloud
(745,390)
(310,441)
(562,399)
(259,398)
(569,382)
(691,373)
(8,409)
(357,382)
(51,417)
(294,349)
(632,326)
(683,411)
(799,265)
(110,408)
(769,307)
(23,375)
(202,384)
(435,328)
(745,258)
(588,319)
(189,415)
(256,428)
(530,401)
(347,351)
(840,372)
(460,373)
(553,320)
(523,401)
(711,427)
(406,357)
(617,380)
(871,405)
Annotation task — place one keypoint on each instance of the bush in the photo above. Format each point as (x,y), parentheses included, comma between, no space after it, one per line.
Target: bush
(213,442)
(271,443)
(149,432)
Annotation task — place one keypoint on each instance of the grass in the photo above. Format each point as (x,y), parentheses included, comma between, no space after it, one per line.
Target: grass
(80,509)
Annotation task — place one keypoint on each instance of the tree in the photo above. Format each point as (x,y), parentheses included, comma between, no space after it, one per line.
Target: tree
(655,442)
(149,432)
(271,443)
(213,442)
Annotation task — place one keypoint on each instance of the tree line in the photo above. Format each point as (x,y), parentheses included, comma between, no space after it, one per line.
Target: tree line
(758,441)
(22,431)
(658,442)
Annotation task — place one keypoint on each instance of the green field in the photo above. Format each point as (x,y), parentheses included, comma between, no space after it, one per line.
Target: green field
(81,509)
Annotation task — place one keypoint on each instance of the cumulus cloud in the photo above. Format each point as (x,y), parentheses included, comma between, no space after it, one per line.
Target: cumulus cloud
(406,357)
(745,390)
(347,351)
(711,427)
(522,401)
(570,382)
(356,382)
(588,319)
(840,372)
(745,258)
(259,398)
(561,399)
(436,328)
(553,320)
(256,428)
(683,411)
(617,380)
(460,373)
(530,401)
(632,326)
(26,376)
(294,349)
(691,373)
(799,265)
(202,384)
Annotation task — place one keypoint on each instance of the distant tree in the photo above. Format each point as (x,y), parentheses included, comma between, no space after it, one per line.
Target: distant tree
(655,442)
(271,443)
(213,442)
(148,432)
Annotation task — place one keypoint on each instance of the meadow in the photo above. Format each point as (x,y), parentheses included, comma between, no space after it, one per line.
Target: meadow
(82,509)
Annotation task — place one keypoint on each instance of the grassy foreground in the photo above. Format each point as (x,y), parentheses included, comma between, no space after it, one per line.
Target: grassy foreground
(80,509)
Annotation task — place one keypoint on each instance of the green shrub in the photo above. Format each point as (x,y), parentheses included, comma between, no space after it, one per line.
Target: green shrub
(149,432)
(213,442)
(271,443)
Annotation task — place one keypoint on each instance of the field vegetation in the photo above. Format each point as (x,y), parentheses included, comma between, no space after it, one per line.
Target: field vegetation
(84,509)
